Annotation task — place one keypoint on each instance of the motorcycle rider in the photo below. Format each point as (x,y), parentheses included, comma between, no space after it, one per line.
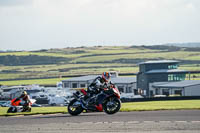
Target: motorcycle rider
(25,100)
(97,85)
(99,82)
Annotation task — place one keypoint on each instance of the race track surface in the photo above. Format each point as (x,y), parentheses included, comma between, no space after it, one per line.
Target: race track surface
(183,121)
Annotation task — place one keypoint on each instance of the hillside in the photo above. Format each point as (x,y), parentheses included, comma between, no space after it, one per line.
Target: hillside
(189,45)
(89,60)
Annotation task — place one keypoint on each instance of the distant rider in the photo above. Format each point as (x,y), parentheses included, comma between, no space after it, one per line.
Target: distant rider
(25,100)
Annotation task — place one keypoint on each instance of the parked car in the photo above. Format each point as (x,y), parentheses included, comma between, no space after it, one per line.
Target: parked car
(36,105)
(6,104)
(2,102)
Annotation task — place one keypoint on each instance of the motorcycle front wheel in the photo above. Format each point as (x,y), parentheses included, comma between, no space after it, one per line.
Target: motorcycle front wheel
(112,105)
(74,107)
(26,109)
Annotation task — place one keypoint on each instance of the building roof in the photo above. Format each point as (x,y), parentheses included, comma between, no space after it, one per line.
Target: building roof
(178,84)
(13,87)
(124,80)
(166,71)
(92,77)
(159,61)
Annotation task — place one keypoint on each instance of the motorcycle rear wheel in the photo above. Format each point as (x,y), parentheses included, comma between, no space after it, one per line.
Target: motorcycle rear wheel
(11,110)
(114,108)
(74,109)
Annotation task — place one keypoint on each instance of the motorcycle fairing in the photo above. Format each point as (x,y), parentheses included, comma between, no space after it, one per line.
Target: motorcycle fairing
(99,107)
(15,103)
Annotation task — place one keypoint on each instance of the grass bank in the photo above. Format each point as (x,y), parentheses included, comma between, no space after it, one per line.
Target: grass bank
(132,106)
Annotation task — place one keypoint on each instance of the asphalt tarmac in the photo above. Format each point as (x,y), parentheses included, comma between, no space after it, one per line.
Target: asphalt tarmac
(180,121)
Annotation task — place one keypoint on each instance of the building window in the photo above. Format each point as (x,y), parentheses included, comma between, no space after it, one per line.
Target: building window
(82,85)
(128,90)
(66,85)
(157,91)
(176,77)
(121,89)
(74,85)
(151,93)
(170,77)
(135,91)
(178,92)
(165,92)
(173,66)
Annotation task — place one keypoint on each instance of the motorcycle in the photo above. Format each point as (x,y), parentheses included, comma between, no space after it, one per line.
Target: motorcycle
(108,100)
(17,107)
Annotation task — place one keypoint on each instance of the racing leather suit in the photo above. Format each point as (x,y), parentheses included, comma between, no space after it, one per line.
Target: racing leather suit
(95,87)
(25,100)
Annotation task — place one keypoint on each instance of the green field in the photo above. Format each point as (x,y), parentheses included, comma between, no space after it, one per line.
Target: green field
(132,106)
(86,61)
(52,81)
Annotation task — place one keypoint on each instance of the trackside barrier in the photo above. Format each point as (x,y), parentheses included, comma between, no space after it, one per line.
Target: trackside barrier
(159,99)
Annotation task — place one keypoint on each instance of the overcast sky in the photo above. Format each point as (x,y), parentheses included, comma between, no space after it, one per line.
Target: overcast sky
(39,24)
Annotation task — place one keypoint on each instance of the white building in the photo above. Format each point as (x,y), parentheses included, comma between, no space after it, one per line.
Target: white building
(126,85)
(182,88)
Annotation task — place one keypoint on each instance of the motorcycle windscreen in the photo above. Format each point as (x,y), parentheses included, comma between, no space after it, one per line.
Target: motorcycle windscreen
(32,101)
(13,103)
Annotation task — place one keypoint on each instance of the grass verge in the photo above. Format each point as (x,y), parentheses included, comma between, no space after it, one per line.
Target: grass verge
(132,106)
(35,110)
(161,105)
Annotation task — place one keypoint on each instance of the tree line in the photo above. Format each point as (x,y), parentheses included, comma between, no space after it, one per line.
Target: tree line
(12,60)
